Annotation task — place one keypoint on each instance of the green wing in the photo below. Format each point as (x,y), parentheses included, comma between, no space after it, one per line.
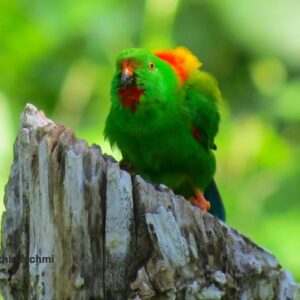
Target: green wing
(202,95)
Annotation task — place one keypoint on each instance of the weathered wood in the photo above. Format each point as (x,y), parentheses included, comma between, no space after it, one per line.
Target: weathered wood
(111,235)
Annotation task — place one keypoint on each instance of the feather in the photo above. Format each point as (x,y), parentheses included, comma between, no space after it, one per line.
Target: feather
(181,59)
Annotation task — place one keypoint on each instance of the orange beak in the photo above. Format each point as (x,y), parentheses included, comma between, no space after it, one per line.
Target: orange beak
(127,77)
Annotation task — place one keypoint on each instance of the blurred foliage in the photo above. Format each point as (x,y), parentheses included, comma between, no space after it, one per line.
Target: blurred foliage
(60,55)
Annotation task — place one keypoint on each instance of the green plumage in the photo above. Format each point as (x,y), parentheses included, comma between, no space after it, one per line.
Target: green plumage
(169,137)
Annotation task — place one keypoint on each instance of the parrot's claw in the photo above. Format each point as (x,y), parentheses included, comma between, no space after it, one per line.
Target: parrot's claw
(199,201)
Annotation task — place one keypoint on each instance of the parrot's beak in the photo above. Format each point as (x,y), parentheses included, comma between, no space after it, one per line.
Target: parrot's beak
(127,76)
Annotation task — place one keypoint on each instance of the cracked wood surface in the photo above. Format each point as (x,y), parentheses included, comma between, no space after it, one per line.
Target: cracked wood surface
(112,235)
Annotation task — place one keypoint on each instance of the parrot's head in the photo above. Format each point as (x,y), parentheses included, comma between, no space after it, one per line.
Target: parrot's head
(149,77)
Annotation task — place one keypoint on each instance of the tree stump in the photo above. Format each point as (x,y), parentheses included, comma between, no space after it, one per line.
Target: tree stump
(76,226)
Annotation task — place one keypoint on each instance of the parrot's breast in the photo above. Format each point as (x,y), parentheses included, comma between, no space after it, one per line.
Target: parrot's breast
(130,97)
(161,148)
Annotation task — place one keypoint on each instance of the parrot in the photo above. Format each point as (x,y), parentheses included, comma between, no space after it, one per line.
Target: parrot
(164,118)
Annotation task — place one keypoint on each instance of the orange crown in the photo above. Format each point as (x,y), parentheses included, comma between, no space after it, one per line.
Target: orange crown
(181,59)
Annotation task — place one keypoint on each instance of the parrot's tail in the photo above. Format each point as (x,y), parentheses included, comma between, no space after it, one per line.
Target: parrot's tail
(213,196)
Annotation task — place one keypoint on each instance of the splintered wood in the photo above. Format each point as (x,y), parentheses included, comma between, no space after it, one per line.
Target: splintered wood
(78,227)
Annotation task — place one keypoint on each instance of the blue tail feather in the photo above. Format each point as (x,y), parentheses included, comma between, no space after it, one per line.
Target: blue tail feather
(213,196)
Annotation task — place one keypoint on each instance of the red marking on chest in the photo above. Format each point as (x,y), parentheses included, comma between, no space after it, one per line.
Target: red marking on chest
(196,134)
(130,97)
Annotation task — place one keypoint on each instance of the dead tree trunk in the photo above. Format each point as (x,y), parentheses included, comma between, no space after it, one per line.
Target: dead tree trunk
(78,227)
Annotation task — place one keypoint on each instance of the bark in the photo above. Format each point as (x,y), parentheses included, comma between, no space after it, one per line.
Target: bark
(112,235)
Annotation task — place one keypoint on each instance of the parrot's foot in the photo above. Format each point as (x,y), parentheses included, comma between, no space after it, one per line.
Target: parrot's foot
(199,200)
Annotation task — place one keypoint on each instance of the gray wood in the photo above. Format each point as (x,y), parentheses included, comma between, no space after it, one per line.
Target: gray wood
(112,235)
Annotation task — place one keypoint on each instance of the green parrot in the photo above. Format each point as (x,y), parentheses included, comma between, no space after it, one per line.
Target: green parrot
(164,119)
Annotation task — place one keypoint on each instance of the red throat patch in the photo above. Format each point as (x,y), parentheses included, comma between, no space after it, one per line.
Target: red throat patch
(182,60)
(130,97)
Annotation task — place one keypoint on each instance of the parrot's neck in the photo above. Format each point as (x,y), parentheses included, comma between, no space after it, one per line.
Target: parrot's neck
(130,97)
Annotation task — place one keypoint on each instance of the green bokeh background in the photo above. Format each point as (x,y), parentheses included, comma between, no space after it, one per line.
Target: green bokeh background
(59,55)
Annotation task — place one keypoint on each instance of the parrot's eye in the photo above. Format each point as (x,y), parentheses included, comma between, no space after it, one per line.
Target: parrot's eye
(151,65)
